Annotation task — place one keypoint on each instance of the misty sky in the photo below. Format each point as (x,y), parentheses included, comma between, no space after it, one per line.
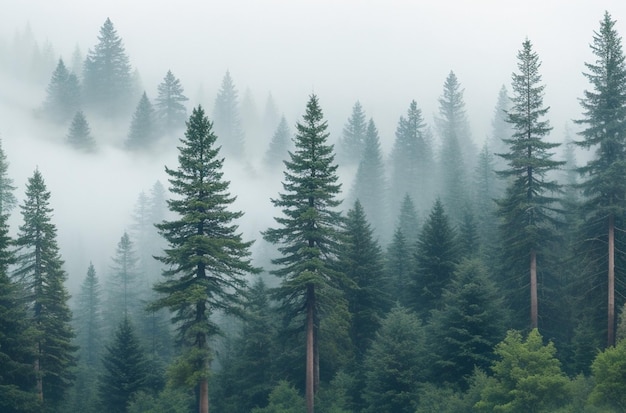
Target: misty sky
(383,53)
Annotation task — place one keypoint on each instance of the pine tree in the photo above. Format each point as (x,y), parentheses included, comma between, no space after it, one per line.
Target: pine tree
(408,222)
(281,143)
(271,118)
(39,268)
(143,133)
(411,160)
(62,95)
(206,259)
(227,119)
(528,209)
(17,377)
(399,268)
(79,135)
(436,259)
(352,142)
(170,104)
(457,150)
(107,81)
(369,183)
(604,176)
(122,293)
(7,199)
(487,188)
(500,128)
(125,369)
(308,233)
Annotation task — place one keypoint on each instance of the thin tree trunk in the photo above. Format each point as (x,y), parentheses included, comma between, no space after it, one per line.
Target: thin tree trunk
(39,379)
(203,402)
(310,353)
(611,295)
(533,290)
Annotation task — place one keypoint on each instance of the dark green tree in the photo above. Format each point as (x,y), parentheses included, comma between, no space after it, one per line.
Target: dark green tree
(604,176)
(436,259)
(17,376)
(281,143)
(412,161)
(608,367)
(469,324)
(528,210)
(370,185)
(469,238)
(39,268)
(457,150)
(63,94)
(395,364)
(226,115)
(170,104)
(352,141)
(79,134)
(107,81)
(308,234)
(407,220)
(143,133)
(205,260)
(399,268)
(125,370)
(7,199)
(487,189)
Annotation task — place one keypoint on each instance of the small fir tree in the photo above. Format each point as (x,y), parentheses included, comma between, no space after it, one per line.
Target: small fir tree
(79,135)
(352,142)
(170,104)
(142,134)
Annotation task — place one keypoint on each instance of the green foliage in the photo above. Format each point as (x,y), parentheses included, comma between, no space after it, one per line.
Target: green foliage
(88,319)
(527,377)
(227,119)
(170,109)
(395,364)
(609,374)
(408,222)
(170,400)
(398,268)
(7,199)
(63,94)
(123,285)
(143,131)
(125,369)
(278,150)
(283,399)
(352,141)
(79,134)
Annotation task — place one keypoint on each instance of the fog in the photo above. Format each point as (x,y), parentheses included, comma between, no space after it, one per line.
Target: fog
(382,53)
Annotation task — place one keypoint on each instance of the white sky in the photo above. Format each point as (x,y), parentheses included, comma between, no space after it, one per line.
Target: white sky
(381,52)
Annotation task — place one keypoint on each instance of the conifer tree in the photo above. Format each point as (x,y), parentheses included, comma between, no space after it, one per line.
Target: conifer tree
(500,128)
(411,161)
(170,104)
(352,142)
(271,116)
(7,199)
(123,292)
(308,234)
(39,268)
(408,222)
(125,370)
(528,209)
(399,268)
(107,81)
(142,134)
(604,176)
(62,95)
(79,135)
(281,143)
(227,119)
(205,260)
(435,261)
(487,188)
(369,183)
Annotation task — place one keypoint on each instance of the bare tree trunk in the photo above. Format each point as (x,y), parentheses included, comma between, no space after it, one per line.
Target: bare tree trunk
(310,351)
(39,379)
(203,402)
(533,290)
(611,297)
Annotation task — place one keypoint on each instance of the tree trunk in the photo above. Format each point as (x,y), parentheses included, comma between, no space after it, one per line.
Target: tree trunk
(39,377)
(611,292)
(310,351)
(533,290)
(203,399)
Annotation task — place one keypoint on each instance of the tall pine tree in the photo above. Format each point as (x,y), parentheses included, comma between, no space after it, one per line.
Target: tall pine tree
(170,104)
(227,119)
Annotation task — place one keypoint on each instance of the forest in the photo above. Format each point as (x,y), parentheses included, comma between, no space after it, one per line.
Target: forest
(272,266)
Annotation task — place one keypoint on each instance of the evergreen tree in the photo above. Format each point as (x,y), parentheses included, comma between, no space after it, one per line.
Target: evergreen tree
(408,222)
(369,183)
(142,134)
(399,268)
(79,135)
(7,199)
(487,189)
(39,268)
(308,233)
(123,294)
(352,141)
(604,176)
(457,150)
(170,104)
(281,143)
(528,210)
(500,128)
(608,367)
(270,116)
(107,77)
(206,259)
(469,324)
(62,95)
(17,377)
(469,240)
(125,370)
(227,121)
(395,364)
(411,160)
(436,259)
